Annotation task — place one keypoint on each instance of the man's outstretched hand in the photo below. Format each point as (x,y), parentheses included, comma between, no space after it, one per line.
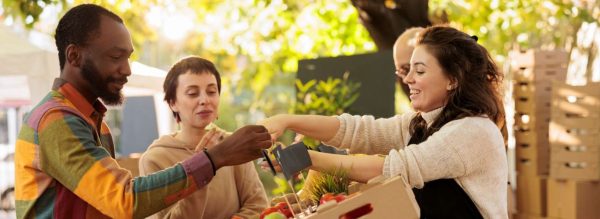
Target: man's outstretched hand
(243,145)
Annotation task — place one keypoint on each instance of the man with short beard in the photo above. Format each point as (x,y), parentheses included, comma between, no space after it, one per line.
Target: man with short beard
(91,74)
(64,160)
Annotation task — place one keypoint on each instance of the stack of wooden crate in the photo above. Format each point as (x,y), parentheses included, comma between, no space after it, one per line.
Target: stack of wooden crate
(573,187)
(534,72)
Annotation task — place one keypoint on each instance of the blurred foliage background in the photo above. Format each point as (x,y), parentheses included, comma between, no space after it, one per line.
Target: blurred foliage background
(256,43)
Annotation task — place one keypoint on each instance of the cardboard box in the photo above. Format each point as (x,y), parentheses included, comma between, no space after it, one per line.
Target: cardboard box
(131,164)
(390,198)
(531,195)
(569,199)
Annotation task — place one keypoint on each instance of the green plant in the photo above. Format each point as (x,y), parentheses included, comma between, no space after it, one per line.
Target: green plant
(283,187)
(333,96)
(333,181)
(330,97)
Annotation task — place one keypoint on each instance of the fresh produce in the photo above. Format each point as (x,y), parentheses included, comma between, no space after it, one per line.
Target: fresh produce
(268,211)
(327,197)
(276,215)
(340,197)
(331,197)
(318,183)
(281,207)
(285,209)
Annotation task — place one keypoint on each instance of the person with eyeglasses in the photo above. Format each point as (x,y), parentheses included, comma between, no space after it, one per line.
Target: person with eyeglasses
(451,150)
(402,51)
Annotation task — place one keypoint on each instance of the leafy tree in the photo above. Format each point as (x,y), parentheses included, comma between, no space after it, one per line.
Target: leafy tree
(387,19)
(28,11)
(260,42)
(515,24)
(256,44)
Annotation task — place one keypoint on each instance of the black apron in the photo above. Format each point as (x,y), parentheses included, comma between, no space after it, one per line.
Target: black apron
(443,198)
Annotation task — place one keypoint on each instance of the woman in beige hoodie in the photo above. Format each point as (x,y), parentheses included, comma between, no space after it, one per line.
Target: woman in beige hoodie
(192,90)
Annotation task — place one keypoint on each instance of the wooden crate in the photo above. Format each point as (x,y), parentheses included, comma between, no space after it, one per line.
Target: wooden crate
(570,199)
(531,122)
(531,195)
(574,170)
(532,153)
(540,74)
(585,107)
(530,216)
(535,58)
(579,160)
(543,87)
(576,101)
(575,132)
(533,97)
(577,153)
(574,156)
(532,107)
(561,135)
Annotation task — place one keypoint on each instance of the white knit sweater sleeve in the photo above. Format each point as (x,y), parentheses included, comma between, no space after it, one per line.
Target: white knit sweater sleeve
(459,148)
(365,134)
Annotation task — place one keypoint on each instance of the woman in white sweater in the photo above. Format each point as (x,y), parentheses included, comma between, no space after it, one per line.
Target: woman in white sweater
(451,150)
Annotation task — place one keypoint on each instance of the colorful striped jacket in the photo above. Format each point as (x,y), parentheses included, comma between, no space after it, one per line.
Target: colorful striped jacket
(65,166)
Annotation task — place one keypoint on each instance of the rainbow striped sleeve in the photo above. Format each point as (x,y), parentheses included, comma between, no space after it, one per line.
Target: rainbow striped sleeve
(70,155)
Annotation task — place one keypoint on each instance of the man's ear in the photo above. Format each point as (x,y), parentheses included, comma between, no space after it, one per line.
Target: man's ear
(74,56)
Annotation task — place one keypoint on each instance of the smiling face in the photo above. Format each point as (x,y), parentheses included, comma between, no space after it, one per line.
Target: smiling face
(428,84)
(105,64)
(197,99)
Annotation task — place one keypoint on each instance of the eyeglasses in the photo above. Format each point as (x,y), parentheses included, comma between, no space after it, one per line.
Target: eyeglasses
(403,71)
